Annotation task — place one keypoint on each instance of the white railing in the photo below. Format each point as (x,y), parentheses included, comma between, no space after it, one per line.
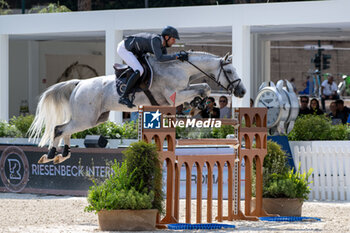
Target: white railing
(331,165)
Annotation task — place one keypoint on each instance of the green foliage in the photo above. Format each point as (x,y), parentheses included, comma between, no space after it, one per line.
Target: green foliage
(100,5)
(317,127)
(223,131)
(134,184)
(22,123)
(142,158)
(339,132)
(51,8)
(111,130)
(7,130)
(107,129)
(117,192)
(129,130)
(279,181)
(194,133)
(18,127)
(275,161)
(288,185)
(181,132)
(4,8)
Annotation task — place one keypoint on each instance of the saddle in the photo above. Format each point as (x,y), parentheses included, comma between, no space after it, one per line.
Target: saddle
(123,73)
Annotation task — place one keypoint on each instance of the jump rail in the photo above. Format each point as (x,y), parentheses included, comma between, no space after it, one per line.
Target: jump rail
(250,124)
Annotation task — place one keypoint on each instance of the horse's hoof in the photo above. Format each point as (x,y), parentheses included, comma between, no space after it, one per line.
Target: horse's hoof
(59,158)
(56,160)
(44,159)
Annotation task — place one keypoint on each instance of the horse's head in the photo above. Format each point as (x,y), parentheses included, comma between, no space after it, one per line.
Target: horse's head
(229,78)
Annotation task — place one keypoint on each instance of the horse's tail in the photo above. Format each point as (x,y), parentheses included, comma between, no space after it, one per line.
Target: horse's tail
(53,109)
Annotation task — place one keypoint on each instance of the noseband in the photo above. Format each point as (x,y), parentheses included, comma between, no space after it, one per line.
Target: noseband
(230,83)
(217,80)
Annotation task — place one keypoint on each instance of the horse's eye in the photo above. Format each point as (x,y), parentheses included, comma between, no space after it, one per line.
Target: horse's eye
(229,71)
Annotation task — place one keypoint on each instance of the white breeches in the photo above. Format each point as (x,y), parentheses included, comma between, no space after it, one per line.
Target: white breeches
(129,58)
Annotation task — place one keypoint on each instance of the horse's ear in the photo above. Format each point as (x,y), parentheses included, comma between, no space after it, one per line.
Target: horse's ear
(225,57)
(229,59)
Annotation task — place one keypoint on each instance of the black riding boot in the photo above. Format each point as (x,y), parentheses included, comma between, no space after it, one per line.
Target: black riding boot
(124,99)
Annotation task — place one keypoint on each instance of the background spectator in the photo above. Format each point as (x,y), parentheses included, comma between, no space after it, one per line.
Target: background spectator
(292,80)
(315,107)
(328,90)
(224,110)
(179,110)
(342,111)
(210,111)
(333,114)
(134,116)
(186,108)
(304,109)
(333,108)
(309,87)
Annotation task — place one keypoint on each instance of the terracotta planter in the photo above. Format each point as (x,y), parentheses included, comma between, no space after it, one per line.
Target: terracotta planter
(127,220)
(281,206)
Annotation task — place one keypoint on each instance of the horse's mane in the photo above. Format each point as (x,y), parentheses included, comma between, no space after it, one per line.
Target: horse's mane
(201,53)
(197,55)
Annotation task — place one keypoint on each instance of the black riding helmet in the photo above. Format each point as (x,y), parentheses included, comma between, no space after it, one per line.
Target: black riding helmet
(171,32)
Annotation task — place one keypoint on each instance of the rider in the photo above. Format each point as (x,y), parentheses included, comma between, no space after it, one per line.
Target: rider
(137,45)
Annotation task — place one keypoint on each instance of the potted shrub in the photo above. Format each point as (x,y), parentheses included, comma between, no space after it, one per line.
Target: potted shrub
(284,189)
(285,193)
(131,197)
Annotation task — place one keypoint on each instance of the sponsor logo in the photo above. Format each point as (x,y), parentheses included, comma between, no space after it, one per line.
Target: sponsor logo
(151,120)
(14,169)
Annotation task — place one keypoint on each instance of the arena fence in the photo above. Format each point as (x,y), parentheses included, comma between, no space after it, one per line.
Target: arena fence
(331,165)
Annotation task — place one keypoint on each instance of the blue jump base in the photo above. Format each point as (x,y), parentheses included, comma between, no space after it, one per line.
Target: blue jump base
(290,219)
(205,226)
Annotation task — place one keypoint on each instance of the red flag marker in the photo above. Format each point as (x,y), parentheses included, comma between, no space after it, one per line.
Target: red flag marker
(173,97)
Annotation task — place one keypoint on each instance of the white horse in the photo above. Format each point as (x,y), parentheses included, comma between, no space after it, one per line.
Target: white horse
(75,105)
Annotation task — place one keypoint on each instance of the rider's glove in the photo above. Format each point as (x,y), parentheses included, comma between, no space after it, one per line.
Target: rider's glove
(182,56)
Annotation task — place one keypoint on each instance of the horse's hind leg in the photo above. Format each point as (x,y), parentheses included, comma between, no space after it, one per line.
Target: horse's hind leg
(50,156)
(65,152)
(65,131)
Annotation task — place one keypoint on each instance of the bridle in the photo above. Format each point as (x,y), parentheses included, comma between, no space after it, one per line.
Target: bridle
(217,80)
(230,83)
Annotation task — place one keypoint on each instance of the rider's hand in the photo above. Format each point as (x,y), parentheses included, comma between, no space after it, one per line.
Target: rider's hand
(182,56)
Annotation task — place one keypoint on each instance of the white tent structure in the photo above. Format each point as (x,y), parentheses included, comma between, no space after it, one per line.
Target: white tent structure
(248,27)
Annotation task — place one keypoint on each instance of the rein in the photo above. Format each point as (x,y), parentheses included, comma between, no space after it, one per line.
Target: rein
(217,80)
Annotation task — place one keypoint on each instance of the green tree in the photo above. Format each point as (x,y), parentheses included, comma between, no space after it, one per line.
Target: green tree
(51,8)
(4,8)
